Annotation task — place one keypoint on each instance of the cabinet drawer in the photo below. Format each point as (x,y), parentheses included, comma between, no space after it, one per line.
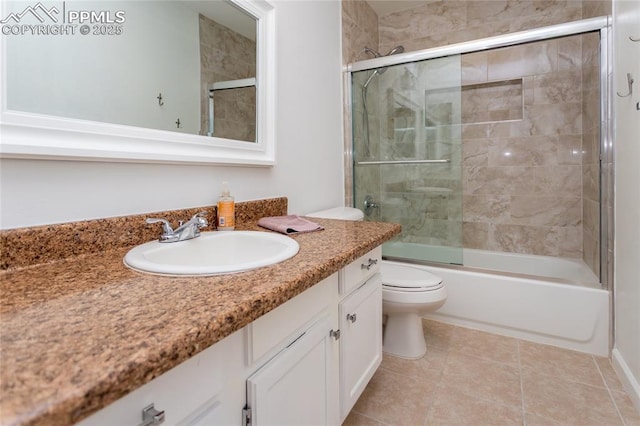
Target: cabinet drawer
(360,270)
(269,333)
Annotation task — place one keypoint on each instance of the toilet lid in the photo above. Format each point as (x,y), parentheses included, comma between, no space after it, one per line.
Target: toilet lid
(344,213)
(408,278)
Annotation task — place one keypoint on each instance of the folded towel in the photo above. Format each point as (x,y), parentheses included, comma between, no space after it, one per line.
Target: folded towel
(292,224)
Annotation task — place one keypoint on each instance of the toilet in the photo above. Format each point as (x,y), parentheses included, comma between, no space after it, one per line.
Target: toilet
(408,293)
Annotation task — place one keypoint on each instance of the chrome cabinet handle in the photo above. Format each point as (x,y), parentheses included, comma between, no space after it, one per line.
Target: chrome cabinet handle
(335,334)
(369,265)
(151,416)
(351,317)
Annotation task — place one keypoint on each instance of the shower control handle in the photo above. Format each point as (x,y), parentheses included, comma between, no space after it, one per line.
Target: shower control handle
(369,265)
(369,204)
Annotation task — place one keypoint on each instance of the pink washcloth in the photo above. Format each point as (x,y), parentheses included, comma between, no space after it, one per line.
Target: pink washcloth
(292,224)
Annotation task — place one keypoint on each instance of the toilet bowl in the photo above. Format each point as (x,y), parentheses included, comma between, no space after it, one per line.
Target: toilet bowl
(408,293)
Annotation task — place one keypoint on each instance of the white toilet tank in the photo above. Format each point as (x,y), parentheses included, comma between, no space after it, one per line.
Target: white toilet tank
(344,213)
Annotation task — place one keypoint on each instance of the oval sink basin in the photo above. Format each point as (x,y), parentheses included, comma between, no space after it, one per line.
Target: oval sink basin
(212,253)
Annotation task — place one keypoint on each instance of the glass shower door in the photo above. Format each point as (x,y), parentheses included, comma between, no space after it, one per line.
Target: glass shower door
(407,146)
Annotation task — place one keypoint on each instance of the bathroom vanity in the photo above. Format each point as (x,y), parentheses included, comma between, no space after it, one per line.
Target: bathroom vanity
(87,339)
(306,361)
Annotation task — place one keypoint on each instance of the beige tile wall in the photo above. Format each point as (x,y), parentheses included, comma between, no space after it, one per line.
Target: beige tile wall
(522,178)
(359,30)
(438,23)
(226,55)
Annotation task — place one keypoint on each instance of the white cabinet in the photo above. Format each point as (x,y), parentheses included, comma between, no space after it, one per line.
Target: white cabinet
(297,357)
(360,341)
(301,384)
(360,314)
(298,385)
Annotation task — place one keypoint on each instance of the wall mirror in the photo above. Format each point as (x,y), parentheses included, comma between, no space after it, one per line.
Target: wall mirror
(179,81)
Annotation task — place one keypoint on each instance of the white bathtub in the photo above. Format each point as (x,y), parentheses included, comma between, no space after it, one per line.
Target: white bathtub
(572,271)
(572,316)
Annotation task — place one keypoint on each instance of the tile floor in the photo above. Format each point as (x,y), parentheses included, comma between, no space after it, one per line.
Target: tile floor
(469,377)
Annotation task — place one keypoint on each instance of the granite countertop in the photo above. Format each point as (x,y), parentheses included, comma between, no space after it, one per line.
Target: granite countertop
(79,333)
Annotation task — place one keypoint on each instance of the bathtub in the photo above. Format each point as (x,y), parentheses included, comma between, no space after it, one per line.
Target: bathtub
(567,310)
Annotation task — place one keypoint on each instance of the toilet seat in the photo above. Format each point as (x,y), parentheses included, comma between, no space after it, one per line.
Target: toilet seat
(405,278)
(410,299)
(407,287)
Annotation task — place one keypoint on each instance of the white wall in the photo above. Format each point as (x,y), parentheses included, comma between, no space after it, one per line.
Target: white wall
(308,134)
(113,78)
(626,355)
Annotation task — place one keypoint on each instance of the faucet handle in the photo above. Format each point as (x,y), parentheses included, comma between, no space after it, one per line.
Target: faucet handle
(166,226)
(199,219)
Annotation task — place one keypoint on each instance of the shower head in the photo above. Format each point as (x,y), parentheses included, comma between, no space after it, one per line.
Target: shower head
(397,49)
(380,71)
(394,51)
(376,54)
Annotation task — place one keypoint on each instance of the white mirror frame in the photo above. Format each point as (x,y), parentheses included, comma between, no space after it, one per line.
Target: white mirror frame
(35,136)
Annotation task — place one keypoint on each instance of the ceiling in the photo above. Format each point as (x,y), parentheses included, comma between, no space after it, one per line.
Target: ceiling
(385,7)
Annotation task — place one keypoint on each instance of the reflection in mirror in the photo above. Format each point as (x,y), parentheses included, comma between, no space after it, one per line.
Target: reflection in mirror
(228,84)
(156,65)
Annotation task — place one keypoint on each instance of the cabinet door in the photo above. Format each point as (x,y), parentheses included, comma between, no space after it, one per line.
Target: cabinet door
(298,385)
(360,341)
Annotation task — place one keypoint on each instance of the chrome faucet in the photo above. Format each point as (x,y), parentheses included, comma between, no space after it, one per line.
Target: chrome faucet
(184,231)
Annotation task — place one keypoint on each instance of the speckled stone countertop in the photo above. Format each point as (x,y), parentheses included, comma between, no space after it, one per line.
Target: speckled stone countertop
(80,332)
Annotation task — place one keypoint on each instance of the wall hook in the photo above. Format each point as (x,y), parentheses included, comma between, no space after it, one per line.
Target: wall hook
(160,101)
(634,39)
(630,81)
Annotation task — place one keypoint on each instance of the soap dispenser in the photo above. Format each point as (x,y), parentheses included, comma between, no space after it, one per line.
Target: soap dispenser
(226,210)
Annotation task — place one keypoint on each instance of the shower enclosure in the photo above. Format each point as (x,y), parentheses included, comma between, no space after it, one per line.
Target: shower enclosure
(490,146)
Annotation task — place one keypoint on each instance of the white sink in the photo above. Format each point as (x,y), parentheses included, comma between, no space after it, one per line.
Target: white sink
(212,253)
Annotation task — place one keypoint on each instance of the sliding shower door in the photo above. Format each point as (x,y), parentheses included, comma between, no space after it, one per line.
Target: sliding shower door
(407,155)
